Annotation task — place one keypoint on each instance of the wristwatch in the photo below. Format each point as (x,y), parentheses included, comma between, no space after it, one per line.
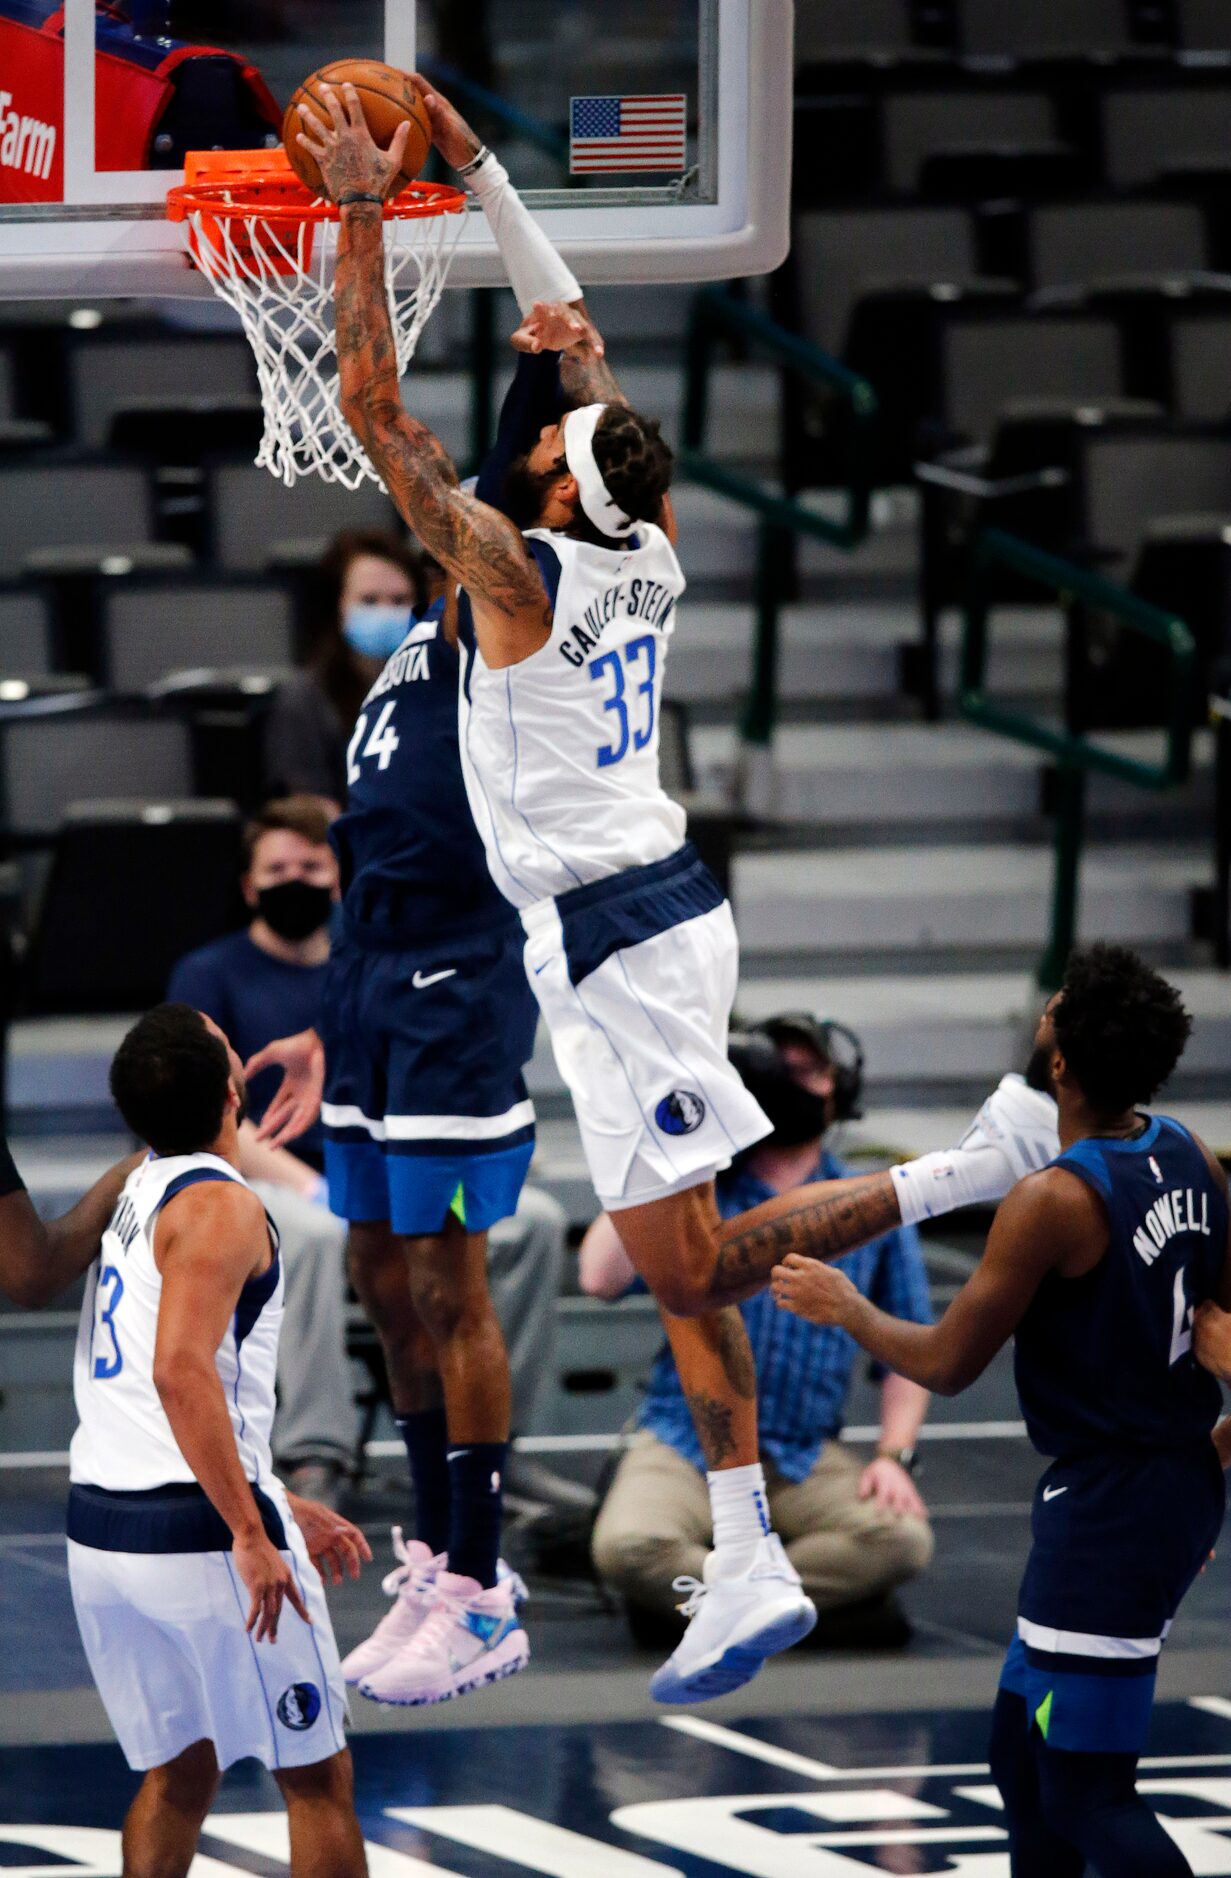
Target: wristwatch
(907,1458)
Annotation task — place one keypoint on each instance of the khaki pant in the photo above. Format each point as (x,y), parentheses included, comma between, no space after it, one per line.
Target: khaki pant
(654,1526)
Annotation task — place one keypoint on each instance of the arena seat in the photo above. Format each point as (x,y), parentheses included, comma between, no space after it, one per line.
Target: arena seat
(174,366)
(1148,132)
(1041,28)
(985,360)
(114,862)
(70,502)
(840,28)
(1200,353)
(1205,25)
(841,254)
(248,514)
(25,634)
(1075,243)
(80,749)
(918,124)
(149,630)
(1127,482)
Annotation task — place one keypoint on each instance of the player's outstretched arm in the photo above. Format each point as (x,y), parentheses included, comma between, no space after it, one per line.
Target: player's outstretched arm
(297,1105)
(40,1260)
(1049,1222)
(210,1240)
(1014,1134)
(475,544)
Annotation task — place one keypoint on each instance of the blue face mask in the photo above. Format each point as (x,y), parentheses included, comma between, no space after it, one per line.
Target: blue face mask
(376,631)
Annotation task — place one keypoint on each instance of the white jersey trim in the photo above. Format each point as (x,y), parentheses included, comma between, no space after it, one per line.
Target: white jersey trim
(1087,1643)
(431,1127)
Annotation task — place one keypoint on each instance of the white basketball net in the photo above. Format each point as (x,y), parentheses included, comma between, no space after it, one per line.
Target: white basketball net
(279,279)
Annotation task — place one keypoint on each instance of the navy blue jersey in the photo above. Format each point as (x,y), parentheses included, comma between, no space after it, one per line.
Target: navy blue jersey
(413,865)
(412,862)
(1106,1360)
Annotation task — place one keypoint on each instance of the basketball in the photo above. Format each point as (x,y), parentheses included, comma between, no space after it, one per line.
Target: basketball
(388,99)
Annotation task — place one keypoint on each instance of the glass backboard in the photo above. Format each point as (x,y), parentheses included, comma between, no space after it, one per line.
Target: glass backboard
(653,139)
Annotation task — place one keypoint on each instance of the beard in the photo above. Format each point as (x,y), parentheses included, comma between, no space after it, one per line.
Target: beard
(1038,1070)
(524,492)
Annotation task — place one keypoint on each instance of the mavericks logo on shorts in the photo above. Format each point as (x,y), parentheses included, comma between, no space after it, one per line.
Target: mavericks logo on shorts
(299,1706)
(680,1113)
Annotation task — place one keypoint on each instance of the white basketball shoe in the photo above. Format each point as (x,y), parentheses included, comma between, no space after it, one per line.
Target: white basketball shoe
(411,1585)
(736,1622)
(470,1637)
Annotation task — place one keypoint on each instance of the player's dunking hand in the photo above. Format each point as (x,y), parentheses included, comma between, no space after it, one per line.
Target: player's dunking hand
(556,327)
(336,1547)
(820,1293)
(270,1580)
(457,143)
(297,1104)
(350,161)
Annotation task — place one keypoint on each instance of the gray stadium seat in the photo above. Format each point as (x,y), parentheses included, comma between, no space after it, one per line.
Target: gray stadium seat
(1205,25)
(1201,368)
(1129,482)
(8,405)
(840,255)
(918,124)
(108,368)
(100,505)
(988,362)
(249,513)
(1042,28)
(838,28)
(1147,132)
(25,635)
(149,631)
(1073,243)
(51,757)
(149,881)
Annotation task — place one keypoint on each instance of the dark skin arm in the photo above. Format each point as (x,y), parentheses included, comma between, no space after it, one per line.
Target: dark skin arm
(210,1240)
(1212,1320)
(39,1261)
(480,548)
(824,1220)
(1051,1222)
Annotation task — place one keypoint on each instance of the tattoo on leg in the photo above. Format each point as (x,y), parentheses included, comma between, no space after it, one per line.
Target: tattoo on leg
(822,1228)
(735,1350)
(713,1422)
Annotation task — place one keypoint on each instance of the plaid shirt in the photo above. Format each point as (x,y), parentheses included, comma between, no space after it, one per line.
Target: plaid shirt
(803,1370)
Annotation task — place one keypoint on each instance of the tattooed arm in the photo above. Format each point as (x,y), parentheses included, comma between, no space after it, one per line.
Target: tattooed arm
(1051,1222)
(824,1220)
(477,546)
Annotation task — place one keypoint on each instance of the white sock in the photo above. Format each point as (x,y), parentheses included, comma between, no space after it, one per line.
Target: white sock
(740,1513)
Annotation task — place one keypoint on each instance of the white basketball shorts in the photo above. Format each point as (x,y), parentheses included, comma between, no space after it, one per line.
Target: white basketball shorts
(635,976)
(164,1632)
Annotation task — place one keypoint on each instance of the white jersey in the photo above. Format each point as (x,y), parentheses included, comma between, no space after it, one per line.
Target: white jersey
(560,752)
(124,1441)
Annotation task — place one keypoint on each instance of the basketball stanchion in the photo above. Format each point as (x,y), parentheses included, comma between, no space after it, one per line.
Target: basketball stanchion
(268,247)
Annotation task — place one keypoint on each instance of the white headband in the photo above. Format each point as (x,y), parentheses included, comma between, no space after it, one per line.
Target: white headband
(607,515)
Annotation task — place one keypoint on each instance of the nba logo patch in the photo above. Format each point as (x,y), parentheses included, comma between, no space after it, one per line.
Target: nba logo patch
(299,1706)
(680,1113)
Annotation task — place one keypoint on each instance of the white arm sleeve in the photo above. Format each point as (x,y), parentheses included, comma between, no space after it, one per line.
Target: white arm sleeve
(1014,1134)
(535,270)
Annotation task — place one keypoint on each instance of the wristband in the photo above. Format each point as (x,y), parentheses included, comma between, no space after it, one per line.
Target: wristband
(468,169)
(10,1180)
(941,1183)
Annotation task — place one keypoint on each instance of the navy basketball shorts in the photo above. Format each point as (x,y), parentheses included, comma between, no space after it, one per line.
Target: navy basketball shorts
(635,975)
(426,1110)
(1119,1536)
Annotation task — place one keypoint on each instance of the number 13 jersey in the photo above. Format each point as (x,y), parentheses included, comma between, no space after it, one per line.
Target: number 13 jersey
(560,752)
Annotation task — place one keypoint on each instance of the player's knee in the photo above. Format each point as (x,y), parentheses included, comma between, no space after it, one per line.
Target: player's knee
(439,1298)
(683,1294)
(187,1785)
(329,1783)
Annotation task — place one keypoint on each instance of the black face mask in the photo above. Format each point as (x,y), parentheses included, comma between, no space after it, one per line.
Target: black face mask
(794,1113)
(294,908)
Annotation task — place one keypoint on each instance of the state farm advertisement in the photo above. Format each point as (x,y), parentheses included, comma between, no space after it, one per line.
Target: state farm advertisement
(31,115)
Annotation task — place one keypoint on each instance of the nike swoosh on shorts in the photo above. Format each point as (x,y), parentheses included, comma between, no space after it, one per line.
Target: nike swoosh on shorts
(421,983)
(1053,1493)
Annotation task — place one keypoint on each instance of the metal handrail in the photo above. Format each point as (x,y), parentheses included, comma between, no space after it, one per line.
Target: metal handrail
(1075,756)
(718,314)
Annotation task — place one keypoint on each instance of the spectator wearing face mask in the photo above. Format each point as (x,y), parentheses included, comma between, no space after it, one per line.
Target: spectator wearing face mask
(369,584)
(256,985)
(854,1527)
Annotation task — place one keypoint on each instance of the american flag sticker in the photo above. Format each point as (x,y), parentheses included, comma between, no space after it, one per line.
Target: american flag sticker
(628,134)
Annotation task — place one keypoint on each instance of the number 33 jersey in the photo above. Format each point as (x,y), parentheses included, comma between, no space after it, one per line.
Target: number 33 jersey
(560,752)
(124,1441)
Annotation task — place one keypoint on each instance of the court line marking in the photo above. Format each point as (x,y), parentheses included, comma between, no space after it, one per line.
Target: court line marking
(755,1750)
(1211,1705)
(598,1444)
